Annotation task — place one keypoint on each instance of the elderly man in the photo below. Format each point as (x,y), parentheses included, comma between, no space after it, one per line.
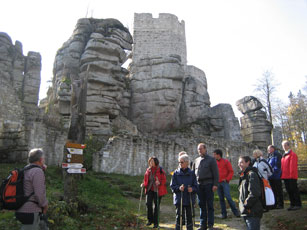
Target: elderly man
(289,174)
(274,159)
(207,175)
(34,183)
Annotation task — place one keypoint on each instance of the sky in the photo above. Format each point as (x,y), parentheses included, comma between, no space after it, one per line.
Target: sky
(232,41)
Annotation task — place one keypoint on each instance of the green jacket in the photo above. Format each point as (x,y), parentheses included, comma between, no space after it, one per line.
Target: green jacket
(250,193)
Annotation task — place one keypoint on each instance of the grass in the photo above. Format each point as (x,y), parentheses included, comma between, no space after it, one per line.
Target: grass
(111,201)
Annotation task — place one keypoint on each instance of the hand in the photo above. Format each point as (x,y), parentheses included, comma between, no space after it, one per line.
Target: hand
(214,188)
(45,209)
(142,185)
(44,167)
(157,182)
(190,189)
(181,188)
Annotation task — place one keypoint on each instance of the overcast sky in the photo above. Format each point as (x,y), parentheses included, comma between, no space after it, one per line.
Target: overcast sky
(232,41)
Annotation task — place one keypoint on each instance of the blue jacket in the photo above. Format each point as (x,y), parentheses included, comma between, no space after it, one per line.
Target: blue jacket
(187,178)
(275,161)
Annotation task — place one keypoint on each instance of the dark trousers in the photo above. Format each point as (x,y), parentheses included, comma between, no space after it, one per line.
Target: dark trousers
(186,214)
(294,193)
(152,216)
(276,185)
(205,202)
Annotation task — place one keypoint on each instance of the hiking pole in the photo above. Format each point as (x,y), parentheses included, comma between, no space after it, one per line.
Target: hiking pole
(181,216)
(158,207)
(192,210)
(137,220)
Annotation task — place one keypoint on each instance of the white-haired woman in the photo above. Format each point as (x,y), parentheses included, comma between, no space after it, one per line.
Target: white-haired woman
(184,184)
(264,168)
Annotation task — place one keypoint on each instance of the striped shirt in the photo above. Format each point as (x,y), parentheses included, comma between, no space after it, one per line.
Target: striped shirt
(34,181)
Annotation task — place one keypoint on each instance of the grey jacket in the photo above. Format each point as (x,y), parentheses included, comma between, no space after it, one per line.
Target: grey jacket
(206,170)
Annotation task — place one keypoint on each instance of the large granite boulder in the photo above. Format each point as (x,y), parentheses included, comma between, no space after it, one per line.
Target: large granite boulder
(255,128)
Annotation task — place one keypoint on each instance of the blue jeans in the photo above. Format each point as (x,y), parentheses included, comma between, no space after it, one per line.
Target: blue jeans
(252,223)
(205,202)
(224,191)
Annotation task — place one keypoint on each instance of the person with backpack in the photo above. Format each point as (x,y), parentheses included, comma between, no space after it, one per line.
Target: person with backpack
(274,159)
(249,194)
(34,186)
(264,168)
(184,187)
(289,175)
(155,188)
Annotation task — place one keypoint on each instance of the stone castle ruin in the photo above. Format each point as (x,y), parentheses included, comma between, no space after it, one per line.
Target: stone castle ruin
(158,106)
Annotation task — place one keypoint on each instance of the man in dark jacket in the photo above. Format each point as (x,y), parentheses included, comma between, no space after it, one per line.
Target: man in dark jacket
(207,175)
(184,183)
(249,194)
(274,159)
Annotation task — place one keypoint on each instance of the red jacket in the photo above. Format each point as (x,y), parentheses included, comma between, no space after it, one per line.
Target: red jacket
(289,166)
(225,170)
(160,176)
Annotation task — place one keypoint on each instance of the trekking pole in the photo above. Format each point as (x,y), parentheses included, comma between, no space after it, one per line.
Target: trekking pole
(158,207)
(137,220)
(181,216)
(192,210)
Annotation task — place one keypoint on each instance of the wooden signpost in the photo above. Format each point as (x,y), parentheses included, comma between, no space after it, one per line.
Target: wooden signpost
(74,158)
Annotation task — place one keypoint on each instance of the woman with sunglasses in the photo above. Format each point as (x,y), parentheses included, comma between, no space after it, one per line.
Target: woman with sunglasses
(154,183)
(184,187)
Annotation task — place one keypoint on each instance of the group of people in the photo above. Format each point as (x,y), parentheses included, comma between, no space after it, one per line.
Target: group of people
(203,177)
(208,174)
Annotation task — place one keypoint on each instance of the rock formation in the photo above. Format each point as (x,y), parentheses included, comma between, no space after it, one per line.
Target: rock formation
(158,106)
(99,46)
(255,128)
(21,122)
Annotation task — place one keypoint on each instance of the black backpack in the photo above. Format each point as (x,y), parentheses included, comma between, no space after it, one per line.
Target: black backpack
(11,190)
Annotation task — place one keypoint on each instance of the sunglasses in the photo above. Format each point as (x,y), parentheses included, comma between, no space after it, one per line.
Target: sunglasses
(180,162)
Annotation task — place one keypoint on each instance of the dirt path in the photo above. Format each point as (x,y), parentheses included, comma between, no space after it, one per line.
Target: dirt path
(167,219)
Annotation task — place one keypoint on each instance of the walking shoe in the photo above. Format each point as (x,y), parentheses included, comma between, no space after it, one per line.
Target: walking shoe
(224,217)
(293,208)
(148,223)
(155,226)
(279,207)
(201,228)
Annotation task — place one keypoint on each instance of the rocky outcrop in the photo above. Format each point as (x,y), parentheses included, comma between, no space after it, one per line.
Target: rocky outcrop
(96,51)
(255,128)
(22,124)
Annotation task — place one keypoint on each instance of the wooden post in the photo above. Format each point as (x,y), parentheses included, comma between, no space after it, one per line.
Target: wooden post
(76,133)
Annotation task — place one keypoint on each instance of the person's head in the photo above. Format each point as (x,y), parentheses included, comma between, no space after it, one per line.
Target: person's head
(183,161)
(218,154)
(202,150)
(153,161)
(36,156)
(257,153)
(244,162)
(285,145)
(182,153)
(271,148)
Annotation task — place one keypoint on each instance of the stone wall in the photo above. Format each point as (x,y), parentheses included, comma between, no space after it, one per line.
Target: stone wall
(129,154)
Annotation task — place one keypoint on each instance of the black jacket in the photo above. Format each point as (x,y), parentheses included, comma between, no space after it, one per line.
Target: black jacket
(250,193)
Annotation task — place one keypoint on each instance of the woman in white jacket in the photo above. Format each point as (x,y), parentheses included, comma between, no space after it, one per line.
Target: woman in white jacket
(264,168)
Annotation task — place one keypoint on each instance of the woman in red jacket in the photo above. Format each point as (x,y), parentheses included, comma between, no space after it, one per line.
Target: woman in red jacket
(154,183)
